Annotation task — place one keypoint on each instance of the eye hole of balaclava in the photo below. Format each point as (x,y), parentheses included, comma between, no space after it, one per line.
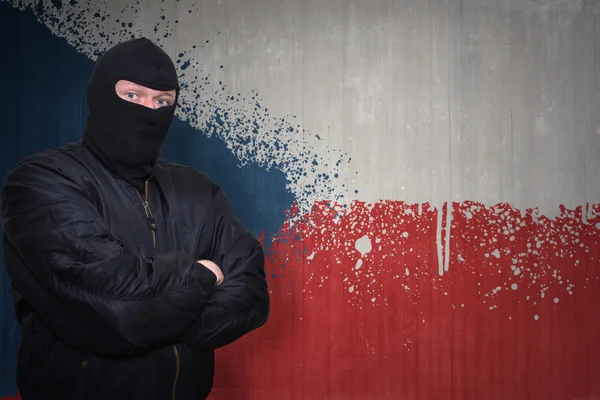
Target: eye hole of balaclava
(144,96)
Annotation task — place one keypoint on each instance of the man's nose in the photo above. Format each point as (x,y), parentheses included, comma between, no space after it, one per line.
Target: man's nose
(148,103)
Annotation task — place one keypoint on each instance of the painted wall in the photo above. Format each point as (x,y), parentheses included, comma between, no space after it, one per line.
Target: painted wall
(425,177)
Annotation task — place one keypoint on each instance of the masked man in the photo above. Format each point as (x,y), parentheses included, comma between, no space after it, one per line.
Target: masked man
(127,270)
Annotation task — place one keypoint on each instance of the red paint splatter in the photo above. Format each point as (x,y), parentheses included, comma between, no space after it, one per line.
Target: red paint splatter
(514,316)
(17,397)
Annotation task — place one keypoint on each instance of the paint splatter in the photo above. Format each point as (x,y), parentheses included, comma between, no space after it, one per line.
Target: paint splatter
(316,170)
(502,251)
(251,132)
(513,278)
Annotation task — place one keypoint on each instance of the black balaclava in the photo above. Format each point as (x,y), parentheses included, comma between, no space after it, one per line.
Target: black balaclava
(124,135)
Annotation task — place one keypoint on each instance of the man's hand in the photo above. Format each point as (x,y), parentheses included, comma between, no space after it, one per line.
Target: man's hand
(215,269)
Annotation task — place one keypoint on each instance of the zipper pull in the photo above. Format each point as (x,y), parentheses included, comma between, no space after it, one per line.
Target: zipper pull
(146,207)
(152,223)
(149,215)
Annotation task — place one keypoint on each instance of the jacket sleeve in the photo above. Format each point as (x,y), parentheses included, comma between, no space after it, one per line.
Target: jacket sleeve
(241,303)
(77,277)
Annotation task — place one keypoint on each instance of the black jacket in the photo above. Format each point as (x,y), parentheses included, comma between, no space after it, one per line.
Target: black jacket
(108,293)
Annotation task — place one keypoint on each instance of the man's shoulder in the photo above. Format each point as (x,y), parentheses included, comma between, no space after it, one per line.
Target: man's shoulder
(47,171)
(53,156)
(62,159)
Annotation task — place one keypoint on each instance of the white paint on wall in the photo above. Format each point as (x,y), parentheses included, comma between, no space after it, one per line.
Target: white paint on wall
(363,245)
(358,264)
(443,247)
(491,107)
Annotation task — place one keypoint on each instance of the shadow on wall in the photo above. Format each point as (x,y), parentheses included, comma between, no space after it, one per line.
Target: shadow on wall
(43,106)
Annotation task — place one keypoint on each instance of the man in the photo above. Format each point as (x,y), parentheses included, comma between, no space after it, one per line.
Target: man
(127,270)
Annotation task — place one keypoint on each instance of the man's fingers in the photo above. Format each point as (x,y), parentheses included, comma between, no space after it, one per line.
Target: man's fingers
(215,269)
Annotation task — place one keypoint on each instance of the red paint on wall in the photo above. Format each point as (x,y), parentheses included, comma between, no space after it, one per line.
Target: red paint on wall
(515,316)
(360,310)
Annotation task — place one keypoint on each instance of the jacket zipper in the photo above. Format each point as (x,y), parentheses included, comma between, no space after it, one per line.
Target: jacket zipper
(153,228)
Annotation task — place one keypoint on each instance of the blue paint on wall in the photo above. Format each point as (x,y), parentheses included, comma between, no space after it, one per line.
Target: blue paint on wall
(42,103)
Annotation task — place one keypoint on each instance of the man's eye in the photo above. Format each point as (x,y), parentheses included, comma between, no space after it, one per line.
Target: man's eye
(163,102)
(131,96)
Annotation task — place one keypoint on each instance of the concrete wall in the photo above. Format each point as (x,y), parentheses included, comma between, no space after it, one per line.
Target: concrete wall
(425,176)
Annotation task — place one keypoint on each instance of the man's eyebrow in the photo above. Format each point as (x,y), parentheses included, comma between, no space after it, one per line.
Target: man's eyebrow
(130,86)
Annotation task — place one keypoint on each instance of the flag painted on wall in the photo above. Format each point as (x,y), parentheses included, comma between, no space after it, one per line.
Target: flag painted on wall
(424,177)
